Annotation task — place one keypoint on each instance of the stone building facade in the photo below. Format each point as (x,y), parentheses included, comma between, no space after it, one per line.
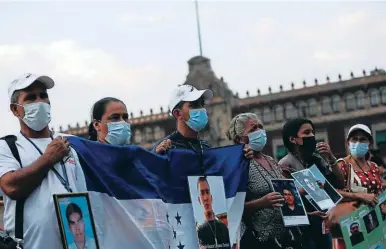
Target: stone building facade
(333,106)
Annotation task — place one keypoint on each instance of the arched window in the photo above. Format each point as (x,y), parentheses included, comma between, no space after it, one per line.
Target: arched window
(313,107)
(326,105)
(257,112)
(149,134)
(383,95)
(374,97)
(360,99)
(336,103)
(302,109)
(267,115)
(350,102)
(290,111)
(279,116)
(137,136)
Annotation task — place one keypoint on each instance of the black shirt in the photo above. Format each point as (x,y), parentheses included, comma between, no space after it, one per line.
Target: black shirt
(207,231)
(297,211)
(181,142)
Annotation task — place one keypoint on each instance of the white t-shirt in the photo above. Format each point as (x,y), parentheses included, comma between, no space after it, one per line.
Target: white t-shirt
(41,230)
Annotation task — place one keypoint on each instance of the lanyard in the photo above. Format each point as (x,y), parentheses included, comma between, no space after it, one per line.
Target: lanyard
(64,180)
(200,156)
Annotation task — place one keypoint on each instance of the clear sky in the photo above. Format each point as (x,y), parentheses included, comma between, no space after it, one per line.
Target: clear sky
(138,50)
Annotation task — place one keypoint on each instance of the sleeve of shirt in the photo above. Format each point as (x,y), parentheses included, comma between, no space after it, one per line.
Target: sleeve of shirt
(7,161)
(80,178)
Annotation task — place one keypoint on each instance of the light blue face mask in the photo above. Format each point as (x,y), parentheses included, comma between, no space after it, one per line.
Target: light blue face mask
(37,115)
(257,140)
(198,119)
(119,133)
(359,149)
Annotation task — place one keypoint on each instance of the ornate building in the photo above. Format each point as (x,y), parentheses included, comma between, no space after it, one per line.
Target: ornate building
(333,106)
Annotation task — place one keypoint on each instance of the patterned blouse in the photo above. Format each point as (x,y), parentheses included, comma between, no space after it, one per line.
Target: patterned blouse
(266,222)
(370,179)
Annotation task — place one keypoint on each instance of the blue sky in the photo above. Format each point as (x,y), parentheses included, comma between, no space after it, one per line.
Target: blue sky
(138,50)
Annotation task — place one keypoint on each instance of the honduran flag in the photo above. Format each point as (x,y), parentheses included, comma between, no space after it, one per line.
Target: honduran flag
(141,200)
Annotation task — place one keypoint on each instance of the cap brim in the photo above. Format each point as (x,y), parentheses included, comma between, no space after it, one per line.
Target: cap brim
(47,81)
(358,129)
(195,95)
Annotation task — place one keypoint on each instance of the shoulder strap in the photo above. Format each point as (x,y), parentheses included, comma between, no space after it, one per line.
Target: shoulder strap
(19,216)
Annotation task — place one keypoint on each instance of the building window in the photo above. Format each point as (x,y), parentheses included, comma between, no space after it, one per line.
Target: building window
(257,112)
(279,116)
(326,106)
(281,151)
(290,111)
(137,136)
(380,137)
(302,109)
(148,135)
(383,95)
(360,99)
(267,115)
(350,102)
(336,103)
(313,107)
(374,97)
(158,133)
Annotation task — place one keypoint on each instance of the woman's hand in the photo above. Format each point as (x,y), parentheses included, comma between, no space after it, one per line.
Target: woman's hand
(273,199)
(370,199)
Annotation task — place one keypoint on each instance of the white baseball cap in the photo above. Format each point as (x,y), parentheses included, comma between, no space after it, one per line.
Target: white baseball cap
(187,93)
(28,79)
(360,127)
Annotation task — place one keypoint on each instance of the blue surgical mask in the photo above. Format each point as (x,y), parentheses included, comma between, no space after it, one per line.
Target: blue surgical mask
(198,119)
(359,149)
(119,133)
(37,115)
(257,140)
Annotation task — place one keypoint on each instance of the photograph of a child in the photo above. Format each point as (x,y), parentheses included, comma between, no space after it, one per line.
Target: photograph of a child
(210,211)
(313,189)
(293,209)
(371,221)
(75,220)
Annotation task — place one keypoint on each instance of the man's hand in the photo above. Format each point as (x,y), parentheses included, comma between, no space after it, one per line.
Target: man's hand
(57,150)
(163,147)
(248,153)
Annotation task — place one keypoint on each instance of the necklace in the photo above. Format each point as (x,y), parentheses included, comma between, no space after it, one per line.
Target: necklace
(214,233)
(364,172)
(272,169)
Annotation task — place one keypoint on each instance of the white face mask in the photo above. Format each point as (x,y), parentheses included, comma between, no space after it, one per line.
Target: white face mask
(37,115)
(119,133)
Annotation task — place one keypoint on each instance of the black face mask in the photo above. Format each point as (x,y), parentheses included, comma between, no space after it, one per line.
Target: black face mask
(309,146)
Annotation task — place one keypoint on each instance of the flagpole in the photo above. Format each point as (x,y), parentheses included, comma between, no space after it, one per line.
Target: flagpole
(198,27)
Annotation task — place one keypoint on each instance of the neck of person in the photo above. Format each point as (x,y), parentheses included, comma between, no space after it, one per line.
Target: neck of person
(28,132)
(300,155)
(361,160)
(292,206)
(186,131)
(81,244)
(257,154)
(209,216)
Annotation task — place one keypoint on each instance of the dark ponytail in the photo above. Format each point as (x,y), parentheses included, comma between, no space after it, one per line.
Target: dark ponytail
(97,112)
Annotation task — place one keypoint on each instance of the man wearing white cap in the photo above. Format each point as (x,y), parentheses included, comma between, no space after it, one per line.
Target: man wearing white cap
(187,105)
(42,170)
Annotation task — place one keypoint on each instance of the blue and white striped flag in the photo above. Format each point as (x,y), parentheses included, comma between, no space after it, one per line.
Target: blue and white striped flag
(141,200)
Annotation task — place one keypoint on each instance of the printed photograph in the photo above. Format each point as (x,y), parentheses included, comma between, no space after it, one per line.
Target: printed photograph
(330,190)
(379,245)
(210,211)
(356,234)
(382,208)
(371,221)
(76,222)
(293,211)
(309,183)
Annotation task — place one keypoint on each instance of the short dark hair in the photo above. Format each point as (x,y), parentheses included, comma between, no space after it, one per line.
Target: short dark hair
(291,129)
(15,97)
(97,112)
(73,208)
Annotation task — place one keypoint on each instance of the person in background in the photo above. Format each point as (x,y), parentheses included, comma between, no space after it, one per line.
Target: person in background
(187,105)
(49,165)
(110,122)
(299,139)
(366,184)
(262,225)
